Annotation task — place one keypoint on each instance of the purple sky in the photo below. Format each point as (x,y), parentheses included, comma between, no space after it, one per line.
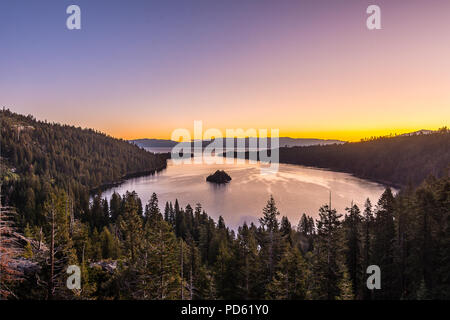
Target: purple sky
(310,68)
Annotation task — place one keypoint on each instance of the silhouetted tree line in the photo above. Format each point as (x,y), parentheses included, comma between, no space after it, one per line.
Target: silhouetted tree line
(398,160)
(392,160)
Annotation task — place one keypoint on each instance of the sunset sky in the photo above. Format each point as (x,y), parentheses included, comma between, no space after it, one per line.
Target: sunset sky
(140,69)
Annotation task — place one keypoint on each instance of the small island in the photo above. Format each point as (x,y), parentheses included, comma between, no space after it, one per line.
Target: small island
(219,177)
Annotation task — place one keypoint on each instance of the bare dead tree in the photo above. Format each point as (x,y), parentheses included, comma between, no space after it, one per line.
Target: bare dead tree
(181,272)
(10,250)
(55,259)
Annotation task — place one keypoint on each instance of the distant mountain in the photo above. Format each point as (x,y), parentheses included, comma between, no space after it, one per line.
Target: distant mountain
(283,142)
(419,132)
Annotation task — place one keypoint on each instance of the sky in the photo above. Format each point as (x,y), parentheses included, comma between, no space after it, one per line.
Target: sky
(310,68)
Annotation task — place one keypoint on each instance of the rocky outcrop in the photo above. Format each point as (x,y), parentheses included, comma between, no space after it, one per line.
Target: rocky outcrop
(108,266)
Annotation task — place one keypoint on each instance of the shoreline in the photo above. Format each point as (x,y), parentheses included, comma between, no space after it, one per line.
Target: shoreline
(126,177)
(386,183)
(111,185)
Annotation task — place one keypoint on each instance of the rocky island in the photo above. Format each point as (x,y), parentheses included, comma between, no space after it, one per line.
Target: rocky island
(219,177)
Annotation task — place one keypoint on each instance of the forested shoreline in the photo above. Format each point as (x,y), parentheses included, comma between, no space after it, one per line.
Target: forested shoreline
(127,249)
(40,158)
(397,161)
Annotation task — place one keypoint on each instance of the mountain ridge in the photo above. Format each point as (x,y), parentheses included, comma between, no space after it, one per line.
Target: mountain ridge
(283,142)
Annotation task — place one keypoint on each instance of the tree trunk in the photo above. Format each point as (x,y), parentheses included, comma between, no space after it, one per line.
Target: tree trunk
(51,284)
(181,273)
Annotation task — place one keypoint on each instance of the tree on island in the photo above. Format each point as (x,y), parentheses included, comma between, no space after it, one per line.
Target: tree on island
(219,176)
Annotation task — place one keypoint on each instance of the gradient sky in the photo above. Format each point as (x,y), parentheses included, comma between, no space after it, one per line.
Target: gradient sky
(310,68)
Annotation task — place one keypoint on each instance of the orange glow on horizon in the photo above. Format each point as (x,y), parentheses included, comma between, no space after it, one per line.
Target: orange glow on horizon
(310,70)
(343,135)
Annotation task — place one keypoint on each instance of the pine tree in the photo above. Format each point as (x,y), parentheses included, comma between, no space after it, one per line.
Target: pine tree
(61,253)
(180,221)
(303,225)
(98,217)
(224,273)
(131,230)
(207,231)
(158,267)
(286,230)
(290,281)
(306,229)
(115,206)
(270,238)
(345,288)
(442,290)
(167,213)
(109,245)
(404,225)
(249,275)
(367,239)
(327,249)
(368,221)
(352,250)
(384,245)
(152,212)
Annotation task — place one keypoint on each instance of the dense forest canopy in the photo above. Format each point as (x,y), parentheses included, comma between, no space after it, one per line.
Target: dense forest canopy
(397,160)
(60,151)
(38,156)
(129,250)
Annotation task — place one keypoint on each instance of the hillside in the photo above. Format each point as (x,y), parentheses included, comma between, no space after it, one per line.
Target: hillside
(393,160)
(396,161)
(60,151)
(44,156)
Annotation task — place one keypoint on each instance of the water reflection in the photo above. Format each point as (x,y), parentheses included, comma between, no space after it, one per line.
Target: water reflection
(296,189)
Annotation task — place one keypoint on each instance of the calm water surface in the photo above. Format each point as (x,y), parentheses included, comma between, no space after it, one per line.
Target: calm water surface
(296,189)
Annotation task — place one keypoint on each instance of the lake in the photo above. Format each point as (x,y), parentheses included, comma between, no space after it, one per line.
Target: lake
(296,190)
